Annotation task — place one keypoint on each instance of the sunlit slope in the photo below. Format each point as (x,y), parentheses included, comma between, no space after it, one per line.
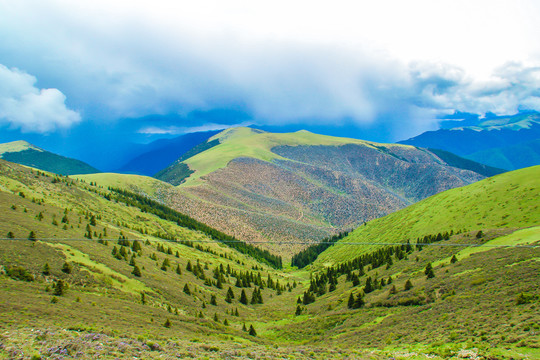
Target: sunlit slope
(246,142)
(139,183)
(69,218)
(509,200)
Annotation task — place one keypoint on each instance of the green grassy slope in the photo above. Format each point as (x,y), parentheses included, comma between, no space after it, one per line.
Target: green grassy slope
(508,200)
(24,153)
(102,313)
(102,293)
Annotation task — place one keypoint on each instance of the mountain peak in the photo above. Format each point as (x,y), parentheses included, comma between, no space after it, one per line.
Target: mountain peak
(235,133)
(17,146)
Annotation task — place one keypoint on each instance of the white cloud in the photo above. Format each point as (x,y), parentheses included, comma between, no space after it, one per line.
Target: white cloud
(24,106)
(280,61)
(178,130)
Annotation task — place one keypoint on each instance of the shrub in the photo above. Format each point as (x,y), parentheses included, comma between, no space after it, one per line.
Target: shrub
(46,269)
(66,268)
(59,288)
(19,273)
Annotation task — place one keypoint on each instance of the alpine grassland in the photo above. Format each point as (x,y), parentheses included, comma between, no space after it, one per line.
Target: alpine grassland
(90,268)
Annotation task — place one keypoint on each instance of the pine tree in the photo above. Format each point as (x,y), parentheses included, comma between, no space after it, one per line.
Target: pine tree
(136,271)
(178,270)
(429,271)
(230,295)
(298,310)
(213,300)
(226,322)
(408,284)
(359,301)
(252,331)
(453,259)
(32,235)
(350,302)
(243,298)
(216,318)
(244,327)
(10,235)
(167,323)
(186,289)
(143,298)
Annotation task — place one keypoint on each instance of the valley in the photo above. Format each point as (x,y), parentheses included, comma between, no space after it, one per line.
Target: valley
(186,299)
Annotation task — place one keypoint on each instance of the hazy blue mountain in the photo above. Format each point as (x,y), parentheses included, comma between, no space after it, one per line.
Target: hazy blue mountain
(509,142)
(161,153)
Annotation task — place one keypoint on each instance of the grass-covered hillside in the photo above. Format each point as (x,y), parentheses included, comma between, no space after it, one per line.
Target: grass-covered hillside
(27,154)
(270,187)
(506,201)
(102,272)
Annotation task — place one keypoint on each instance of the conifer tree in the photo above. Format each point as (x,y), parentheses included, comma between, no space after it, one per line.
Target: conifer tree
(359,301)
(453,259)
(178,270)
(186,289)
(429,271)
(252,331)
(213,300)
(136,271)
(229,296)
(167,323)
(10,235)
(32,235)
(298,310)
(408,284)
(243,298)
(350,302)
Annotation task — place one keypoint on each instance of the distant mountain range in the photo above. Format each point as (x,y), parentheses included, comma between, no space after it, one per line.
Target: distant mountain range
(24,153)
(509,142)
(159,154)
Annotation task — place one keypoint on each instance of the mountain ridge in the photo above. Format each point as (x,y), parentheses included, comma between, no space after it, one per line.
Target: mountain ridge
(24,153)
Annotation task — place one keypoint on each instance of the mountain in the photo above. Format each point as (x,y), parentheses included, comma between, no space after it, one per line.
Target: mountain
(509,142)
(104,272)
(21,152)
(269,187)
(159,154)
(506,201)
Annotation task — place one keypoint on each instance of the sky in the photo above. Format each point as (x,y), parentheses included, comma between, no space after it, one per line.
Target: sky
(77,73)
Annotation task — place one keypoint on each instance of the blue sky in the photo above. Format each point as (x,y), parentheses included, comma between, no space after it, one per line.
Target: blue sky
(74,73)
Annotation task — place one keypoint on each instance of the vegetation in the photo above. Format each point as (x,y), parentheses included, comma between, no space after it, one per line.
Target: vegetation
(373,301)
(309,255)
(153,207)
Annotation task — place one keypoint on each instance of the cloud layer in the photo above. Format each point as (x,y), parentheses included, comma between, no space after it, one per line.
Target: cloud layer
(25,107)
(331,65)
